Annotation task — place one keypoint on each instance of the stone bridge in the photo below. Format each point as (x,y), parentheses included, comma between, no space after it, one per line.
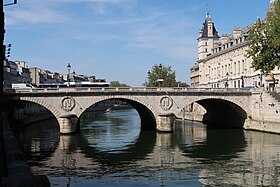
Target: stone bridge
(157,107)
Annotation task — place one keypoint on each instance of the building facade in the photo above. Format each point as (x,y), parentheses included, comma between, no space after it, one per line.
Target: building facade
(18,72)
(15,72)
(223,62)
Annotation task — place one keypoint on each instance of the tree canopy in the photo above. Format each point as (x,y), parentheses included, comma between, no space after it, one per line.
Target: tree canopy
(264,41)
(118,84)
(161,75)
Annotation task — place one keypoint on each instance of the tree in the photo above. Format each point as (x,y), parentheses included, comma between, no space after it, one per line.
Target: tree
(264,42)
(117,84)
(161,75)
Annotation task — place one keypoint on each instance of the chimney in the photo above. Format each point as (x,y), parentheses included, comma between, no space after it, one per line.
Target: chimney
(224,38)
(237,32)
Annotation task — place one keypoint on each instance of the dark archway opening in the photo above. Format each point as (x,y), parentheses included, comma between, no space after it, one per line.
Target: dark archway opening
(147,119)
(118,135)
(23,114)
(222,114)
(36,129)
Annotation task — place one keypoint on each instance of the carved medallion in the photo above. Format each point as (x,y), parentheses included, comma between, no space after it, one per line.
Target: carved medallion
(166,103)
(68,103)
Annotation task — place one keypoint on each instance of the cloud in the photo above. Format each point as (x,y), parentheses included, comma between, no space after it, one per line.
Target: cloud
(180,48)
(35,12)
(100,6)
(169,36)
(35,16)
(166,33)
(92,1)
(133,20)
(158,31)
(51,11)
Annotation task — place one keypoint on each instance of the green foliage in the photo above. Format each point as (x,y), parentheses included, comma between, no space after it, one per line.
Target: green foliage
(118,84)
(182,84)
(161,75)
(264,42)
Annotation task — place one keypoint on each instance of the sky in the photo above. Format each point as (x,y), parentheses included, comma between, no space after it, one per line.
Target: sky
(119,40)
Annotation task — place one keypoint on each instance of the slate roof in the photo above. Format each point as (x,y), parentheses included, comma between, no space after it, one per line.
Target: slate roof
(205,27)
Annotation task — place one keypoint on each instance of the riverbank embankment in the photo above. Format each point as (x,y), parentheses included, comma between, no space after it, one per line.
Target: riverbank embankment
(15,172)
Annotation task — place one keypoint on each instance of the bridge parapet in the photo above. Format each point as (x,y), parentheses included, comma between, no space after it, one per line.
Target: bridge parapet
(135,89)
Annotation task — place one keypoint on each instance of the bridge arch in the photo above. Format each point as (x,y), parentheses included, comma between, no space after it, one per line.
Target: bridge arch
(41,102)
(223,113)
(145,111)
(68,122)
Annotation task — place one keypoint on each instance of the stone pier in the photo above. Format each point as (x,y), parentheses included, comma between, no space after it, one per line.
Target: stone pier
(165,122)
(68,124)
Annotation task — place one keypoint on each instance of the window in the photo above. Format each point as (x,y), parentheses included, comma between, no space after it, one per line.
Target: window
(238,68)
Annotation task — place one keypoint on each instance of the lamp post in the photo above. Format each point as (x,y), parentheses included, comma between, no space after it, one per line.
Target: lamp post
(226,85)
(148,78)
(160,79)
(7,50)
(260,76)
(68,77)
(242,81)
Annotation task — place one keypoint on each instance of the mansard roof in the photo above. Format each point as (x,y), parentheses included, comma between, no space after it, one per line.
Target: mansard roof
(204,28)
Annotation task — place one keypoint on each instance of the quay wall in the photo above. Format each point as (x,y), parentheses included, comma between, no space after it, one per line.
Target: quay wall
(265,112)
(16,172)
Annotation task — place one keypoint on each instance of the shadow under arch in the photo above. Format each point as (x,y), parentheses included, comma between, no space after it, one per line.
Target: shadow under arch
(148,121)
(143,146)
(25,113)
(222,114)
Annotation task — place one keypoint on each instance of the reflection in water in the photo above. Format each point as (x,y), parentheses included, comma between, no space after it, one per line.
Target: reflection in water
(40,142)
(112,151)
(107,133)
(211,144)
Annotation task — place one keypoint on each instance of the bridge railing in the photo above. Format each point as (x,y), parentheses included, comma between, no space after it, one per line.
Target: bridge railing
(134,89)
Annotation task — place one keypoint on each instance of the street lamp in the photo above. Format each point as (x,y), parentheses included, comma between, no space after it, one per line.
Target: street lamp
(260,76)
(242,81)
(160,79)
(7,50)
(148,78)
(227,75)
(68,78)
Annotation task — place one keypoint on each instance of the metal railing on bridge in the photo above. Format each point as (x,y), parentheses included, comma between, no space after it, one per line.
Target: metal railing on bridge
(130,89)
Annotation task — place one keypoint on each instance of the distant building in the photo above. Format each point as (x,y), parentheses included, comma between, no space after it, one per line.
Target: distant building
(223,62)
(195,76)
(39,76)
(15,72)
(18,72)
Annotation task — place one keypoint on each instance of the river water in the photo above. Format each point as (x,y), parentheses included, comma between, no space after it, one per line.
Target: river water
(111,150)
